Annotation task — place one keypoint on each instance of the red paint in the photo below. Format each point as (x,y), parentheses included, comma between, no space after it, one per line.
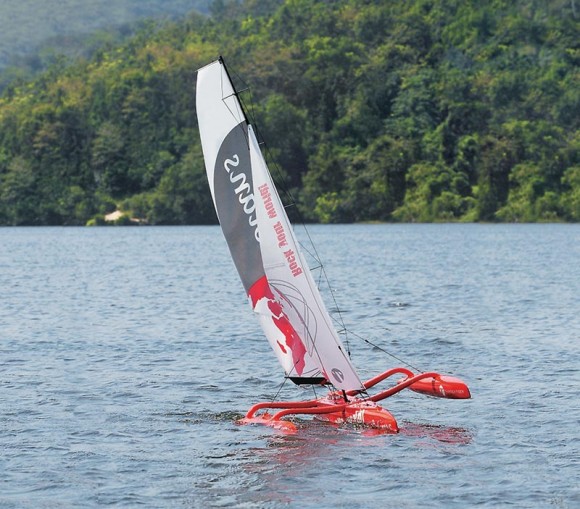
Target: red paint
(331,408)
(442,386)
(261,290)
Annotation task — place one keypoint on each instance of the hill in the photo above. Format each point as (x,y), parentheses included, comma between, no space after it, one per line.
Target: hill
(33,34)
(400,111)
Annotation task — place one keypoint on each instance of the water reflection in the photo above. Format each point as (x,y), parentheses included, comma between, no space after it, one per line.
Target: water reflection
(282,466)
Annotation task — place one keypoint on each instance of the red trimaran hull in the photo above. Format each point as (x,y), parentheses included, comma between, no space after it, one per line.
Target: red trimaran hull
(349,407)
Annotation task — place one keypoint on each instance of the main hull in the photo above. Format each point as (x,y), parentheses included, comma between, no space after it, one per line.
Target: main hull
(365,413)
(332,409)
(356,408)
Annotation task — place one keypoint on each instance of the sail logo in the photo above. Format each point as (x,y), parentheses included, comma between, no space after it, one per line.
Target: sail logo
(267,198)
(337,374)
(236,204)
(289,254)
(292,263)
(358,417)
(280,234)
(243,192)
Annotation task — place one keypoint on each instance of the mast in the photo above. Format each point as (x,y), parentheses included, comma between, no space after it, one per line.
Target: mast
(236,93)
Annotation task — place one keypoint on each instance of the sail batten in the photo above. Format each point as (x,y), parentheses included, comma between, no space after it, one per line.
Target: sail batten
(275,275)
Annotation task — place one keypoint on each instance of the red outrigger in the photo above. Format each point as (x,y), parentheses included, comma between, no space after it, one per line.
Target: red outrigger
(358,408)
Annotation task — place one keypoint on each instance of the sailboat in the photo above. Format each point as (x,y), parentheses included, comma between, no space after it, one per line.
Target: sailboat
(278,282)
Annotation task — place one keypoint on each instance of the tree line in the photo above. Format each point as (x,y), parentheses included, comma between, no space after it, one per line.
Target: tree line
(407,110)
(32,32)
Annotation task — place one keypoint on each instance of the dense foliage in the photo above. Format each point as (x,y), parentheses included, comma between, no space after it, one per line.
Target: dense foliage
(34,33)
(403,110)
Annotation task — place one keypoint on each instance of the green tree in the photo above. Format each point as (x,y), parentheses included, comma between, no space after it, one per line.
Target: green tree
(19,194)
(109,162)
(571,195)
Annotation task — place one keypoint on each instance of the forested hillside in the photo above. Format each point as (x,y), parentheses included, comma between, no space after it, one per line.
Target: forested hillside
(404,110)
(34,33)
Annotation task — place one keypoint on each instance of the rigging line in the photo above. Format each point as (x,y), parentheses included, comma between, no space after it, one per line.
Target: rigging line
(314,391)
(323,276)
(231,110)
(358,336)
(235,90)
(279,389)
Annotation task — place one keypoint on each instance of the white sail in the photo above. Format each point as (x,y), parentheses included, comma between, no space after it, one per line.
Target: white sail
(290,277)
(262,243)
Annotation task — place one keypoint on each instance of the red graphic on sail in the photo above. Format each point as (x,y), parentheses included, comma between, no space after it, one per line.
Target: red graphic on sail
(261,290)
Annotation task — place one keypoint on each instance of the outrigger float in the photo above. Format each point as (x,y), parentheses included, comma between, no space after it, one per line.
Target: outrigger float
(278,281)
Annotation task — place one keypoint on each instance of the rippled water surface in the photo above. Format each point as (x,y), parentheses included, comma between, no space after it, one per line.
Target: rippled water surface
(127,354)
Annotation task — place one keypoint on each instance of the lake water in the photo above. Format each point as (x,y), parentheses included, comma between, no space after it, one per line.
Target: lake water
(127,354)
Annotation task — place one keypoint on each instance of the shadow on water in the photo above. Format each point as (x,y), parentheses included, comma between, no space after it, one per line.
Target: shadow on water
(436,434)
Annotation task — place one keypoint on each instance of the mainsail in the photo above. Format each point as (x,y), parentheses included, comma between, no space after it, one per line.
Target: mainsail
(261,240)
